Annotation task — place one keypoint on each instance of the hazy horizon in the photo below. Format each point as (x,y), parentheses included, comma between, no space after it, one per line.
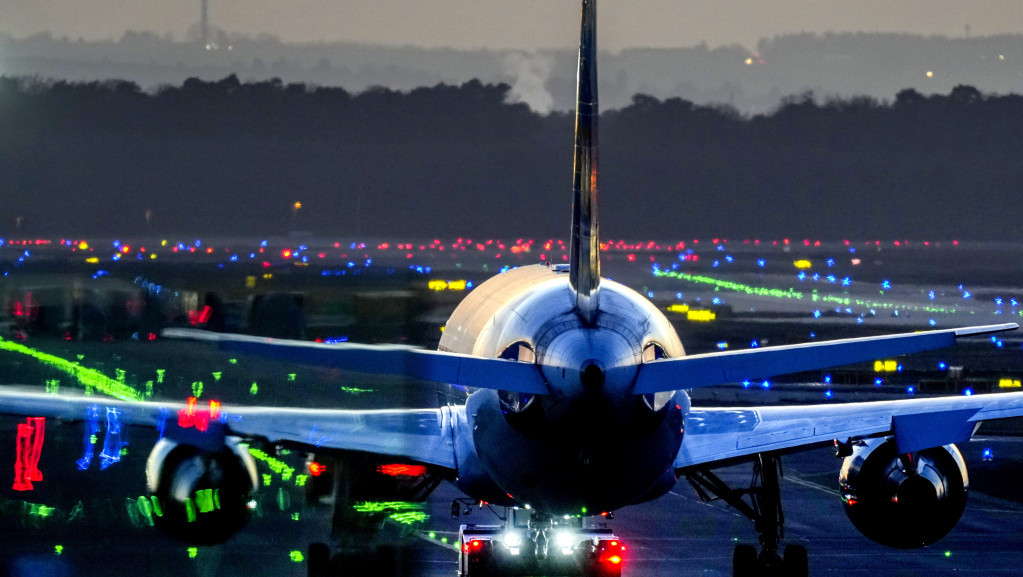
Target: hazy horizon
(524,25)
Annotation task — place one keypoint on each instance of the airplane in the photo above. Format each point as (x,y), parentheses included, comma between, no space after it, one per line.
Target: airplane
(577,406)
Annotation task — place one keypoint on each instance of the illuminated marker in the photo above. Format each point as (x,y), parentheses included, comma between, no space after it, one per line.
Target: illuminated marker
(22,482)
(91,429)
(112,443)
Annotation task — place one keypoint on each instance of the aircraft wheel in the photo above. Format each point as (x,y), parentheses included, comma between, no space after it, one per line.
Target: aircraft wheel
(744,561)
(796,563)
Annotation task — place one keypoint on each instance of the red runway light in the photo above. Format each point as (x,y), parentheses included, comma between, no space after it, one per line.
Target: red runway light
(399,469)
(316,469)
(28,449)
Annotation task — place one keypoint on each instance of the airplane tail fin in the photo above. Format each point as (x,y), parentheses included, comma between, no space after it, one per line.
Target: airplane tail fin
(585,264)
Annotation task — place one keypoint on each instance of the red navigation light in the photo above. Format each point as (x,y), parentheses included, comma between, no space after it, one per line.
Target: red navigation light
(399,469)
(476,544)
(316,469)
(614,559)
(614,543)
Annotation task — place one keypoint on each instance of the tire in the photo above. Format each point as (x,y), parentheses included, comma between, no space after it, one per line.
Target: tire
(318,560)
(744,561)
(796,561)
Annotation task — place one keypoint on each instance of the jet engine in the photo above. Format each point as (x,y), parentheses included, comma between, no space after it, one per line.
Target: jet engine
(904,501)
(201,496)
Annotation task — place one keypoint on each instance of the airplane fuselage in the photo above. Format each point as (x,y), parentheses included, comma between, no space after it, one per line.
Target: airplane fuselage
(590,441)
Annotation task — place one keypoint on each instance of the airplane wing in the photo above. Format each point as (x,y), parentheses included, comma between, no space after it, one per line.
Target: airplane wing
(425,364)
(721,434)
(425,435)
(710,369)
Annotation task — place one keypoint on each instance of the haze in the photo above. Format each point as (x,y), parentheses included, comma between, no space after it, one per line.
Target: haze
(519,24)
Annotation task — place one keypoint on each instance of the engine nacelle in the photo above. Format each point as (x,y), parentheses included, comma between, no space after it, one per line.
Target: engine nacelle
(202,497)
(903,501)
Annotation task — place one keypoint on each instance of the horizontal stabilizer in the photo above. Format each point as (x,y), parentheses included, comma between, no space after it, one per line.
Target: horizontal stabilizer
(737,366)
(436,366)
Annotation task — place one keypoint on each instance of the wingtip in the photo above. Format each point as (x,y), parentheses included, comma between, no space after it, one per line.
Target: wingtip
(985,330)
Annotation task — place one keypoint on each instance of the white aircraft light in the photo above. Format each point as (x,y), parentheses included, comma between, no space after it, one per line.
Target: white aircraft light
(512,539)
(564,539)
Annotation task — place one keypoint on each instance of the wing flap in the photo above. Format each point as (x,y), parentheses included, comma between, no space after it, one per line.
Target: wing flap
(754,364)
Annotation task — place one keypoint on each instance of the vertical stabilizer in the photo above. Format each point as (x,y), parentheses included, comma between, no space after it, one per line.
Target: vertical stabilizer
(585,264)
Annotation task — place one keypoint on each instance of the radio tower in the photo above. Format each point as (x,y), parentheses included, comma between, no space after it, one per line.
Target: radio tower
(204,6)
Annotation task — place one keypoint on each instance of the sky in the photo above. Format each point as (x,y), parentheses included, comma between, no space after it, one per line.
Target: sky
(515,24)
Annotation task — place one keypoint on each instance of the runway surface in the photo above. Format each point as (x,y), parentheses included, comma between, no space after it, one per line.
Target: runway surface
(676,535)
(88,523)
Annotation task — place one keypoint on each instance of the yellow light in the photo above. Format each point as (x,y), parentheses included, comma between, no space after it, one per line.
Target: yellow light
(152,256)
(83,245)
(749,62)
(930,74)
(1009,384)
(676,308)
(298,205)
(886,366)
(250,282)
(437,285)
(701,316)
(92,260)
(802,263)
(456,285)
(1001,57)
(163,243)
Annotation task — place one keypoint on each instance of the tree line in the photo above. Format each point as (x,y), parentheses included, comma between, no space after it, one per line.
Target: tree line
(228,158)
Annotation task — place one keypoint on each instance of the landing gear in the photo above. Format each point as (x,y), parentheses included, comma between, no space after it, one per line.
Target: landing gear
(764,509)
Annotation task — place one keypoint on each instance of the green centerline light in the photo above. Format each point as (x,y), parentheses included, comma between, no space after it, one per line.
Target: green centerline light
(796,295)
(729,285)
(276,465)
(355,390)
(89,378)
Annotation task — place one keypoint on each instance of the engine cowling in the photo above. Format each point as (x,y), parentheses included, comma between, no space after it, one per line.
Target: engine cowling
(903,501)
(202,497)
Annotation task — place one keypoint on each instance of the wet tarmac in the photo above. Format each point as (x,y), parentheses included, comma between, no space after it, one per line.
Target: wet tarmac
(90,522)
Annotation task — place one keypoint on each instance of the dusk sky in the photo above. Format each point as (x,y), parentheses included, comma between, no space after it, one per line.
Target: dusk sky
(523,24)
